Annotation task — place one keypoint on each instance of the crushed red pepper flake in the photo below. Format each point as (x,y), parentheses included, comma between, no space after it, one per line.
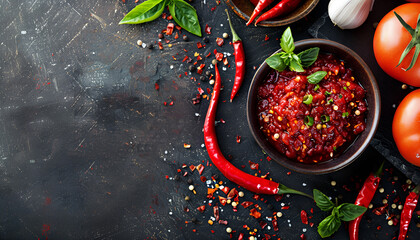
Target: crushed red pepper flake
(160,45)
(201,208)
(263,224)
(222,200)
(225,189)
(178,28)
(246,204)
(266,38)
(169,17)
(285,207)
(169,28)
(225,61)
(254,166)
(253,212)
(199,45)
(380,210)
(219,56)
(304,216)
(192,168)
(275,223)
(216,212)
(238,139)
(200,168)
(232,193)
(207,29)
(157,86)
(219,41)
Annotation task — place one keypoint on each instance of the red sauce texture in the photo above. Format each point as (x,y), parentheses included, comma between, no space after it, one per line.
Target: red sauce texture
(338,110)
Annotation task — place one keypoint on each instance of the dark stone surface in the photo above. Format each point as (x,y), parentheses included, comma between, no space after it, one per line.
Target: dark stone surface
(86,141)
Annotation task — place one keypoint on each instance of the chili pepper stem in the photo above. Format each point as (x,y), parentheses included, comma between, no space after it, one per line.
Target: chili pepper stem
(235,36)
(416,190)
(380,170)
(283,189)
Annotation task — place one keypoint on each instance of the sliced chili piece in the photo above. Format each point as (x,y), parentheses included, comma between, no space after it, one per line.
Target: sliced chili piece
(216,212)
(219,41)
(201,208)
(304,217)
(169,28)
(255,213)
(246,204)
(258,8)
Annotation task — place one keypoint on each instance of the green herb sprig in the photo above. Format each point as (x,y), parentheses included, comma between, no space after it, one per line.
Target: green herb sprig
(286,58)
(183,14)
(344,212)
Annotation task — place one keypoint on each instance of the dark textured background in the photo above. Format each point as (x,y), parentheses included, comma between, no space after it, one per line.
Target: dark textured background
(86,140)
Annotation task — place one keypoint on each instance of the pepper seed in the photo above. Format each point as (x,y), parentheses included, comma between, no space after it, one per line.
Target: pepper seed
(381,190)
(400,207)
(333,183)
(211,82)
(394,206)
(370,205)
(390,222)
(234,204)
(276,136)
(214,61)
(191,187)
(408,181)
(404,86)
(385,201)
(139,42)
(185,38)
(191,68)
(208,73)
(279,214)
(187,198)
(241,194)
(228,230)
(335,107)
(318,126)
(225,35)
(189,181)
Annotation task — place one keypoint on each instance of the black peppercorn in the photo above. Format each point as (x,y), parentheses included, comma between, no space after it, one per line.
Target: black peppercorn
(185,38)
(150,46)
(194,220)
(208,73)
(191,68)
(202,78)
(206,39)
(189,181)
(215,176)
(176,178)
(160,35)
(270,207)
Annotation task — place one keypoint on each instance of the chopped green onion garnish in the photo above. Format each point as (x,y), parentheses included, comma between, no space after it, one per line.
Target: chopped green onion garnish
(309,121)
(330,101)
(327,93)
(345,114)
(325,118)
(345,88)
(340,96)
(335,148)
(307,99)
(316,87)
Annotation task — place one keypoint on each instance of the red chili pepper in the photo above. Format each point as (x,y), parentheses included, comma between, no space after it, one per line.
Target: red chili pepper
(407,212)
(363,199)
(250,182)
(239,60)
(283,7)
(258,8)
(304,217)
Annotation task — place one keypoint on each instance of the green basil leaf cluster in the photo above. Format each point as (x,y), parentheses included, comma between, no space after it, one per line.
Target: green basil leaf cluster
(344,212)
(286,58)
(183,14)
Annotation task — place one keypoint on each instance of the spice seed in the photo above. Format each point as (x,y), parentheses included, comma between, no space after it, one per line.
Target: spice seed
(187,198)
(333,183)
(357,112)
(211,82)
(185,38)
(390,222)
(228,230)
(370,206)
(241,194)
(408,181)
(214,61)
(394,206)
(381,190)
(385,201)
(160,35)
(400,207)
(279,214)
(225,35)
(139,42)
(404,86)
(191,187)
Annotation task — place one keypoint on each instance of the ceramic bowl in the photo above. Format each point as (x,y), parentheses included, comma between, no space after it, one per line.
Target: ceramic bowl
(244,9)
(361,72)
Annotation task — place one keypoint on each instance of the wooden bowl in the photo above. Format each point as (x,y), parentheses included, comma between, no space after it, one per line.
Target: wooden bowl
(361,72)
(244,9)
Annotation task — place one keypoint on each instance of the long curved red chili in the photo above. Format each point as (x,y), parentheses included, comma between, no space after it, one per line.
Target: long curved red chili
(363,199)
(258,8)
(407,212)
(250,182)
(239,60)
(283,7)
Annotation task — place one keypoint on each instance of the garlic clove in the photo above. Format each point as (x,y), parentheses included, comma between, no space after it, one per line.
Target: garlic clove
(349,14)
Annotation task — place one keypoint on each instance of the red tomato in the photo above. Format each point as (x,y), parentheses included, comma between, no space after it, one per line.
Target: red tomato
(390,40)
(406,127)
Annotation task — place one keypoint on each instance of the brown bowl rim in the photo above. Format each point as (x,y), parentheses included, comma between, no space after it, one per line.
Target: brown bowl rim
(275,23)
(376,110)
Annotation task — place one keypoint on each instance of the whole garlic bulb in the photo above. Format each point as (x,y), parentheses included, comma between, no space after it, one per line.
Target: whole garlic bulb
(349,14)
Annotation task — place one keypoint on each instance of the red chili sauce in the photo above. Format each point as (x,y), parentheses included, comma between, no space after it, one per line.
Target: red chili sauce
(338,110)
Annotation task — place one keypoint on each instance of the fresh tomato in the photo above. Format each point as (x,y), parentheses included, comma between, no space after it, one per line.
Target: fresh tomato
(406,127)
(390,40)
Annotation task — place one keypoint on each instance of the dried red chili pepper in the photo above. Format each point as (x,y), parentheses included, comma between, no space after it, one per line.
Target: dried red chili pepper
(258,8)
(407,212)
(304,217)
(283,7)
(216,212)
(245,180)
(239,60)
(363,199)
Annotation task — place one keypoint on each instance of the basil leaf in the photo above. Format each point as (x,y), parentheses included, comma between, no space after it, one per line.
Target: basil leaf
(349,211)
(322,201)
(144,12)
(276,62)
(309,56)
(286,42)
(185,16)
(328,226)
(316,77)
(295,65)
